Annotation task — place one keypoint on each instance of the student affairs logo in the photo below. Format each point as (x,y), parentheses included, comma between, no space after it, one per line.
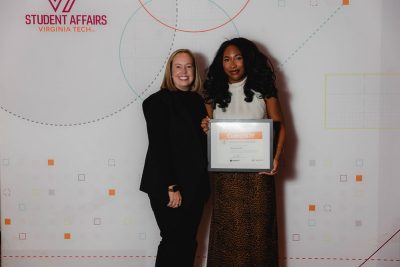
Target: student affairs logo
(63,20)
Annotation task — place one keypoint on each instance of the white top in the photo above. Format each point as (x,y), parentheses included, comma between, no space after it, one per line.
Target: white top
(238,108)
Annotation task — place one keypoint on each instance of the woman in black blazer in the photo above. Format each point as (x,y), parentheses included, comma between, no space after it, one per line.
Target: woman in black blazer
(175,173)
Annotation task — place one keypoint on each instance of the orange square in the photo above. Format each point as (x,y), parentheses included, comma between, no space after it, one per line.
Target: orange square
(50,162)
(7,221)
(67,235)
(112,192)
(359,178)
(346,2)
(311,207)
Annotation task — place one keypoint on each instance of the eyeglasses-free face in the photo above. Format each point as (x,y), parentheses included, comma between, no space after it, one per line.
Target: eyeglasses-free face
(233,64)
(182,71)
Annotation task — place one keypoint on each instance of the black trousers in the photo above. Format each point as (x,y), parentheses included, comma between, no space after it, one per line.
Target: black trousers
(178,229)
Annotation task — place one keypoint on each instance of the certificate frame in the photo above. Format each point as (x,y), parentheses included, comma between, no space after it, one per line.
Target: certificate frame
(240,145)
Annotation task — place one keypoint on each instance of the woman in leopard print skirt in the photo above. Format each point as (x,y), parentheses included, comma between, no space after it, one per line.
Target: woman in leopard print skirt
(240,84)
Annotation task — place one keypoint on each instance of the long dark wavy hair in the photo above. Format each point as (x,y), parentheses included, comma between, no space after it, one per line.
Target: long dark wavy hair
(258,69)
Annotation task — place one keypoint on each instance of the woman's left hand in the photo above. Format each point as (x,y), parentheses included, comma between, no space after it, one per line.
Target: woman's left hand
(204,124)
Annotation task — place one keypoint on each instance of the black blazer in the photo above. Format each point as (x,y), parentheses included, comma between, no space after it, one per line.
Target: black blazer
(177,152)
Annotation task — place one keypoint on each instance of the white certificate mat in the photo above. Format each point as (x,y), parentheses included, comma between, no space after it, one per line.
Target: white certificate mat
(240,145)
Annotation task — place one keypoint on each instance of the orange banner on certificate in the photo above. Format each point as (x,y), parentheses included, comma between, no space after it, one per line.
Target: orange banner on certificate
(240,135)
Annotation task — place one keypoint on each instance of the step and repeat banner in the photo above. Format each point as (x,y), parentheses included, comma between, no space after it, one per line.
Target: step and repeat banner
(74,74)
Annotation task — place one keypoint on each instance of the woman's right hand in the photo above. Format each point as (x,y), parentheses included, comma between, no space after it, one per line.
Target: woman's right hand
(204,124)
(175,199)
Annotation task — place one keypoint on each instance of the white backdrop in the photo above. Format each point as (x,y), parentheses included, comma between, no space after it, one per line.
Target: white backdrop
(73,75)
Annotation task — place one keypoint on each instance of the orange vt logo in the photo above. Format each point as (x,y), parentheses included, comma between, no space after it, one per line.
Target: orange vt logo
(67,5)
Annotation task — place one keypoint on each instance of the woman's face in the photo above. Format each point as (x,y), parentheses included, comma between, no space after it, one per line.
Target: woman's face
(233,64)
(182,71)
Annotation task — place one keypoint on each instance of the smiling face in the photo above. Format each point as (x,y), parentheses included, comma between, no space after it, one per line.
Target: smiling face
(233,64)
(182,71)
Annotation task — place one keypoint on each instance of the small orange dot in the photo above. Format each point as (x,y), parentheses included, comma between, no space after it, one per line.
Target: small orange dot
(311,207)
(359,178)
(112,192)
(67,235)
(346,2)
(50,162)
(7,221)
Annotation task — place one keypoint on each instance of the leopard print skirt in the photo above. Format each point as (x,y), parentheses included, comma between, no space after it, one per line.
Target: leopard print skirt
(243,230)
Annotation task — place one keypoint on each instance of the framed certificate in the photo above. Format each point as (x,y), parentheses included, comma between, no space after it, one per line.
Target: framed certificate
(240,145)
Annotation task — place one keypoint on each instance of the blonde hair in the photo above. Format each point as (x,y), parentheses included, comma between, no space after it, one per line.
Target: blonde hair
(168,82)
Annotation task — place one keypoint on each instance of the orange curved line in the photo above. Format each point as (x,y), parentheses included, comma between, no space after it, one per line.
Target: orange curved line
(184,30)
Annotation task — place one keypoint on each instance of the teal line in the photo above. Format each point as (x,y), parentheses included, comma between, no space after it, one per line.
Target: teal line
(120,44)
(139,95)
(325,101)
(226,14)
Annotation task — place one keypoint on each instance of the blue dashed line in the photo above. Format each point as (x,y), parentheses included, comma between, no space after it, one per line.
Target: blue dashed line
(280,66)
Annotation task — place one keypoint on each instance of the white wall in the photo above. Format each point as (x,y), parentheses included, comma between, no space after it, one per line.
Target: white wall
(75,98)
